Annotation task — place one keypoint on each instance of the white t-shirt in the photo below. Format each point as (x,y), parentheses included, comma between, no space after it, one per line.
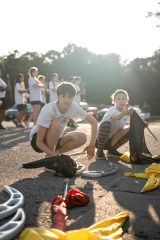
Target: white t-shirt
(43,94)
(53,95)
(34,90)
(3,84)
(19,97)
(77,97)
(116,125)
(50,112)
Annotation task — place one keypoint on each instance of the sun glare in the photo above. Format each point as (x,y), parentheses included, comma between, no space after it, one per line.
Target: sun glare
(103,27)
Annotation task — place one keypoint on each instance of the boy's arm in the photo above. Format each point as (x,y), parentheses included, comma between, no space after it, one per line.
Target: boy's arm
(94,126)
(126,111)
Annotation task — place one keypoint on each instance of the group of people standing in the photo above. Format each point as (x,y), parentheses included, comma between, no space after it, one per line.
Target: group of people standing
(36,94)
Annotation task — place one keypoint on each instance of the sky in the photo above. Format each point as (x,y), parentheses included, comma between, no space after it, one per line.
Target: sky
(101,26)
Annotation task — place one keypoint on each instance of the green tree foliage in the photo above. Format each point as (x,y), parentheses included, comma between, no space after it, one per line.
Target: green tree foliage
(101,74)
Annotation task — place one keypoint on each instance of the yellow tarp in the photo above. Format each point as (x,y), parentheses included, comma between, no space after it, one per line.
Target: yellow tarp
(108,229)
(152,174)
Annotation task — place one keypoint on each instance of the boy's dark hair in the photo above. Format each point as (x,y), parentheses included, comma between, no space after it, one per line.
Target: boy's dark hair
(66,88)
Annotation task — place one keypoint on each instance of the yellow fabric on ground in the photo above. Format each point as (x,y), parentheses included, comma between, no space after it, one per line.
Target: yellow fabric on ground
(108,229)
(152,173)
(125,157)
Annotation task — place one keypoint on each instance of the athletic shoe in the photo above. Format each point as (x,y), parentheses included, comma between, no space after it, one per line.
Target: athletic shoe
(114,153)
(20,125)
(100,155)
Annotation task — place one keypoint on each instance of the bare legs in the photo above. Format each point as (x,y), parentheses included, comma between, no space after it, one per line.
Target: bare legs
(36,111)
(68,142)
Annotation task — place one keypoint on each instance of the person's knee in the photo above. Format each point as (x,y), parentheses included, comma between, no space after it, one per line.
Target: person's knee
(83,138)
(80,138)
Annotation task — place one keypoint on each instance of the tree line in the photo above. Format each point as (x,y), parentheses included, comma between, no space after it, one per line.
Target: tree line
(101,74)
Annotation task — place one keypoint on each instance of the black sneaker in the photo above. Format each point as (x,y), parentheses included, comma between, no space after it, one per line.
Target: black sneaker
(20,125)
(114,153)
(100,155)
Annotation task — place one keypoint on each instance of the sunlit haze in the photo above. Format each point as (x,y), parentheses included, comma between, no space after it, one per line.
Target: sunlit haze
(102,26)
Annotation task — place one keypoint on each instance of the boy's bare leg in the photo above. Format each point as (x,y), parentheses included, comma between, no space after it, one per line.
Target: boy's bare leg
(71,141)
(20,116)
(52,135)
(36,111)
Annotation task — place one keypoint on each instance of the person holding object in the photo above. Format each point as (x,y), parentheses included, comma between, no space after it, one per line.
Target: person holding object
(48,133)
(20,100)
(112,132)
(53,84)
(35,96)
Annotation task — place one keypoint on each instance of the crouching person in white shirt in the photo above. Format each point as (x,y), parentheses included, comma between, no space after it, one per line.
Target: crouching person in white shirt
(48,133)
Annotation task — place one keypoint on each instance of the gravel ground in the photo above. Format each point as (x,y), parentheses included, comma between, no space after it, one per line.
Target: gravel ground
(108,195)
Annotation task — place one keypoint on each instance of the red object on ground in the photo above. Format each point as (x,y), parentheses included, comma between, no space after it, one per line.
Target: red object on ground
(75,198)
(60,213)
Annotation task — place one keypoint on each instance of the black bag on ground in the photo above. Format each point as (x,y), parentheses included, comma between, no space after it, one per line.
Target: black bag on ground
(62,164)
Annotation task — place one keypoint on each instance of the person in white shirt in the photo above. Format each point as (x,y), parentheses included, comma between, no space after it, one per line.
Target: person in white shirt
(48,134)
(35,92)
(112,132)
(44,89)
(20,99)
(53,84)
(3,89)
(77,81)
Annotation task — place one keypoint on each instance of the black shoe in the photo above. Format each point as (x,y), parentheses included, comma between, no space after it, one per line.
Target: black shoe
(20,125)
(114,153)
(100,155)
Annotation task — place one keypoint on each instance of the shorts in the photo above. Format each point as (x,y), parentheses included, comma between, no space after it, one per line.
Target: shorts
(35,102)
(34,145)
(21,107)
(3,103)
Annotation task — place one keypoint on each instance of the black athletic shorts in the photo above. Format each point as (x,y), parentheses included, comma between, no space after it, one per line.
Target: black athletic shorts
(34,145)
(35,102)
(21,107)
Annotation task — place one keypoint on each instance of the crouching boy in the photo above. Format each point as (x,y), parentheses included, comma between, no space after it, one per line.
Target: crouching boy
(48,133)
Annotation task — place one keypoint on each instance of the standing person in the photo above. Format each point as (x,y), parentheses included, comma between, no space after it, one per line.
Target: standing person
(42,79)
(3,89)
(20,99)
(48,133)
(71,79)
(77,81)
(35,92)
(53,84)
(112,132)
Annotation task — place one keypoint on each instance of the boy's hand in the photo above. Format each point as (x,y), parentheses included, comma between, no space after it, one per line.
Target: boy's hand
(90,151)
(127,110)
